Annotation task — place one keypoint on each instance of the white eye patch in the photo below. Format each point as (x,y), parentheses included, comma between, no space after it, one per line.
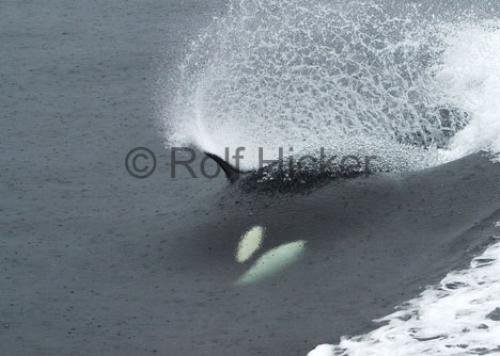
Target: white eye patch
(249,243)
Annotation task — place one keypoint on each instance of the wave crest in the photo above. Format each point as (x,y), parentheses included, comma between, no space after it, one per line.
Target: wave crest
(292,73)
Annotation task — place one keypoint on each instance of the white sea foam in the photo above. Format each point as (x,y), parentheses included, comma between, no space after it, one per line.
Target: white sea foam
(351,78)
(461,316)
(355,79)
(470,76)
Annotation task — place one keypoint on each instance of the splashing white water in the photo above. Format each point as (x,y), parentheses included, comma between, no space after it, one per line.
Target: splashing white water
(460,317)
(351,78)
(470,76)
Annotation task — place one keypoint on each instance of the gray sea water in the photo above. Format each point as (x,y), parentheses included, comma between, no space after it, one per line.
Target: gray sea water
(95,261)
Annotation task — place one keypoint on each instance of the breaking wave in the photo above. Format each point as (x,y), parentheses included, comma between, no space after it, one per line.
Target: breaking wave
(357,79)
(461,316)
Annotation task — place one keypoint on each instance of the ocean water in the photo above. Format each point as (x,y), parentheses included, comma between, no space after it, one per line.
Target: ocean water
(460,316)
(364,78)
(415,86)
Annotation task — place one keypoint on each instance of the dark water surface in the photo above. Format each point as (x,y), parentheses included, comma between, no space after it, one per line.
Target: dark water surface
(96,262)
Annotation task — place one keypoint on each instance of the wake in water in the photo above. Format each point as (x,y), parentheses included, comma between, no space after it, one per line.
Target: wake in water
(459,317)
(470,77)
(413,90)
(353,78)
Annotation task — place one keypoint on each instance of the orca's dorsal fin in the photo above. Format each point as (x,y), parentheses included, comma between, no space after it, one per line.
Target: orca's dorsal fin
(232,173)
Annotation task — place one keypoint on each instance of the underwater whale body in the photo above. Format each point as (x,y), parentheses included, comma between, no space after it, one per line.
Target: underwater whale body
(278,273)
(284,260)
(97,262)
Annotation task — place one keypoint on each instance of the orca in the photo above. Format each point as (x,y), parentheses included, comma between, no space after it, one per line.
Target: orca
(232,173)
(282,273)
(280,176)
